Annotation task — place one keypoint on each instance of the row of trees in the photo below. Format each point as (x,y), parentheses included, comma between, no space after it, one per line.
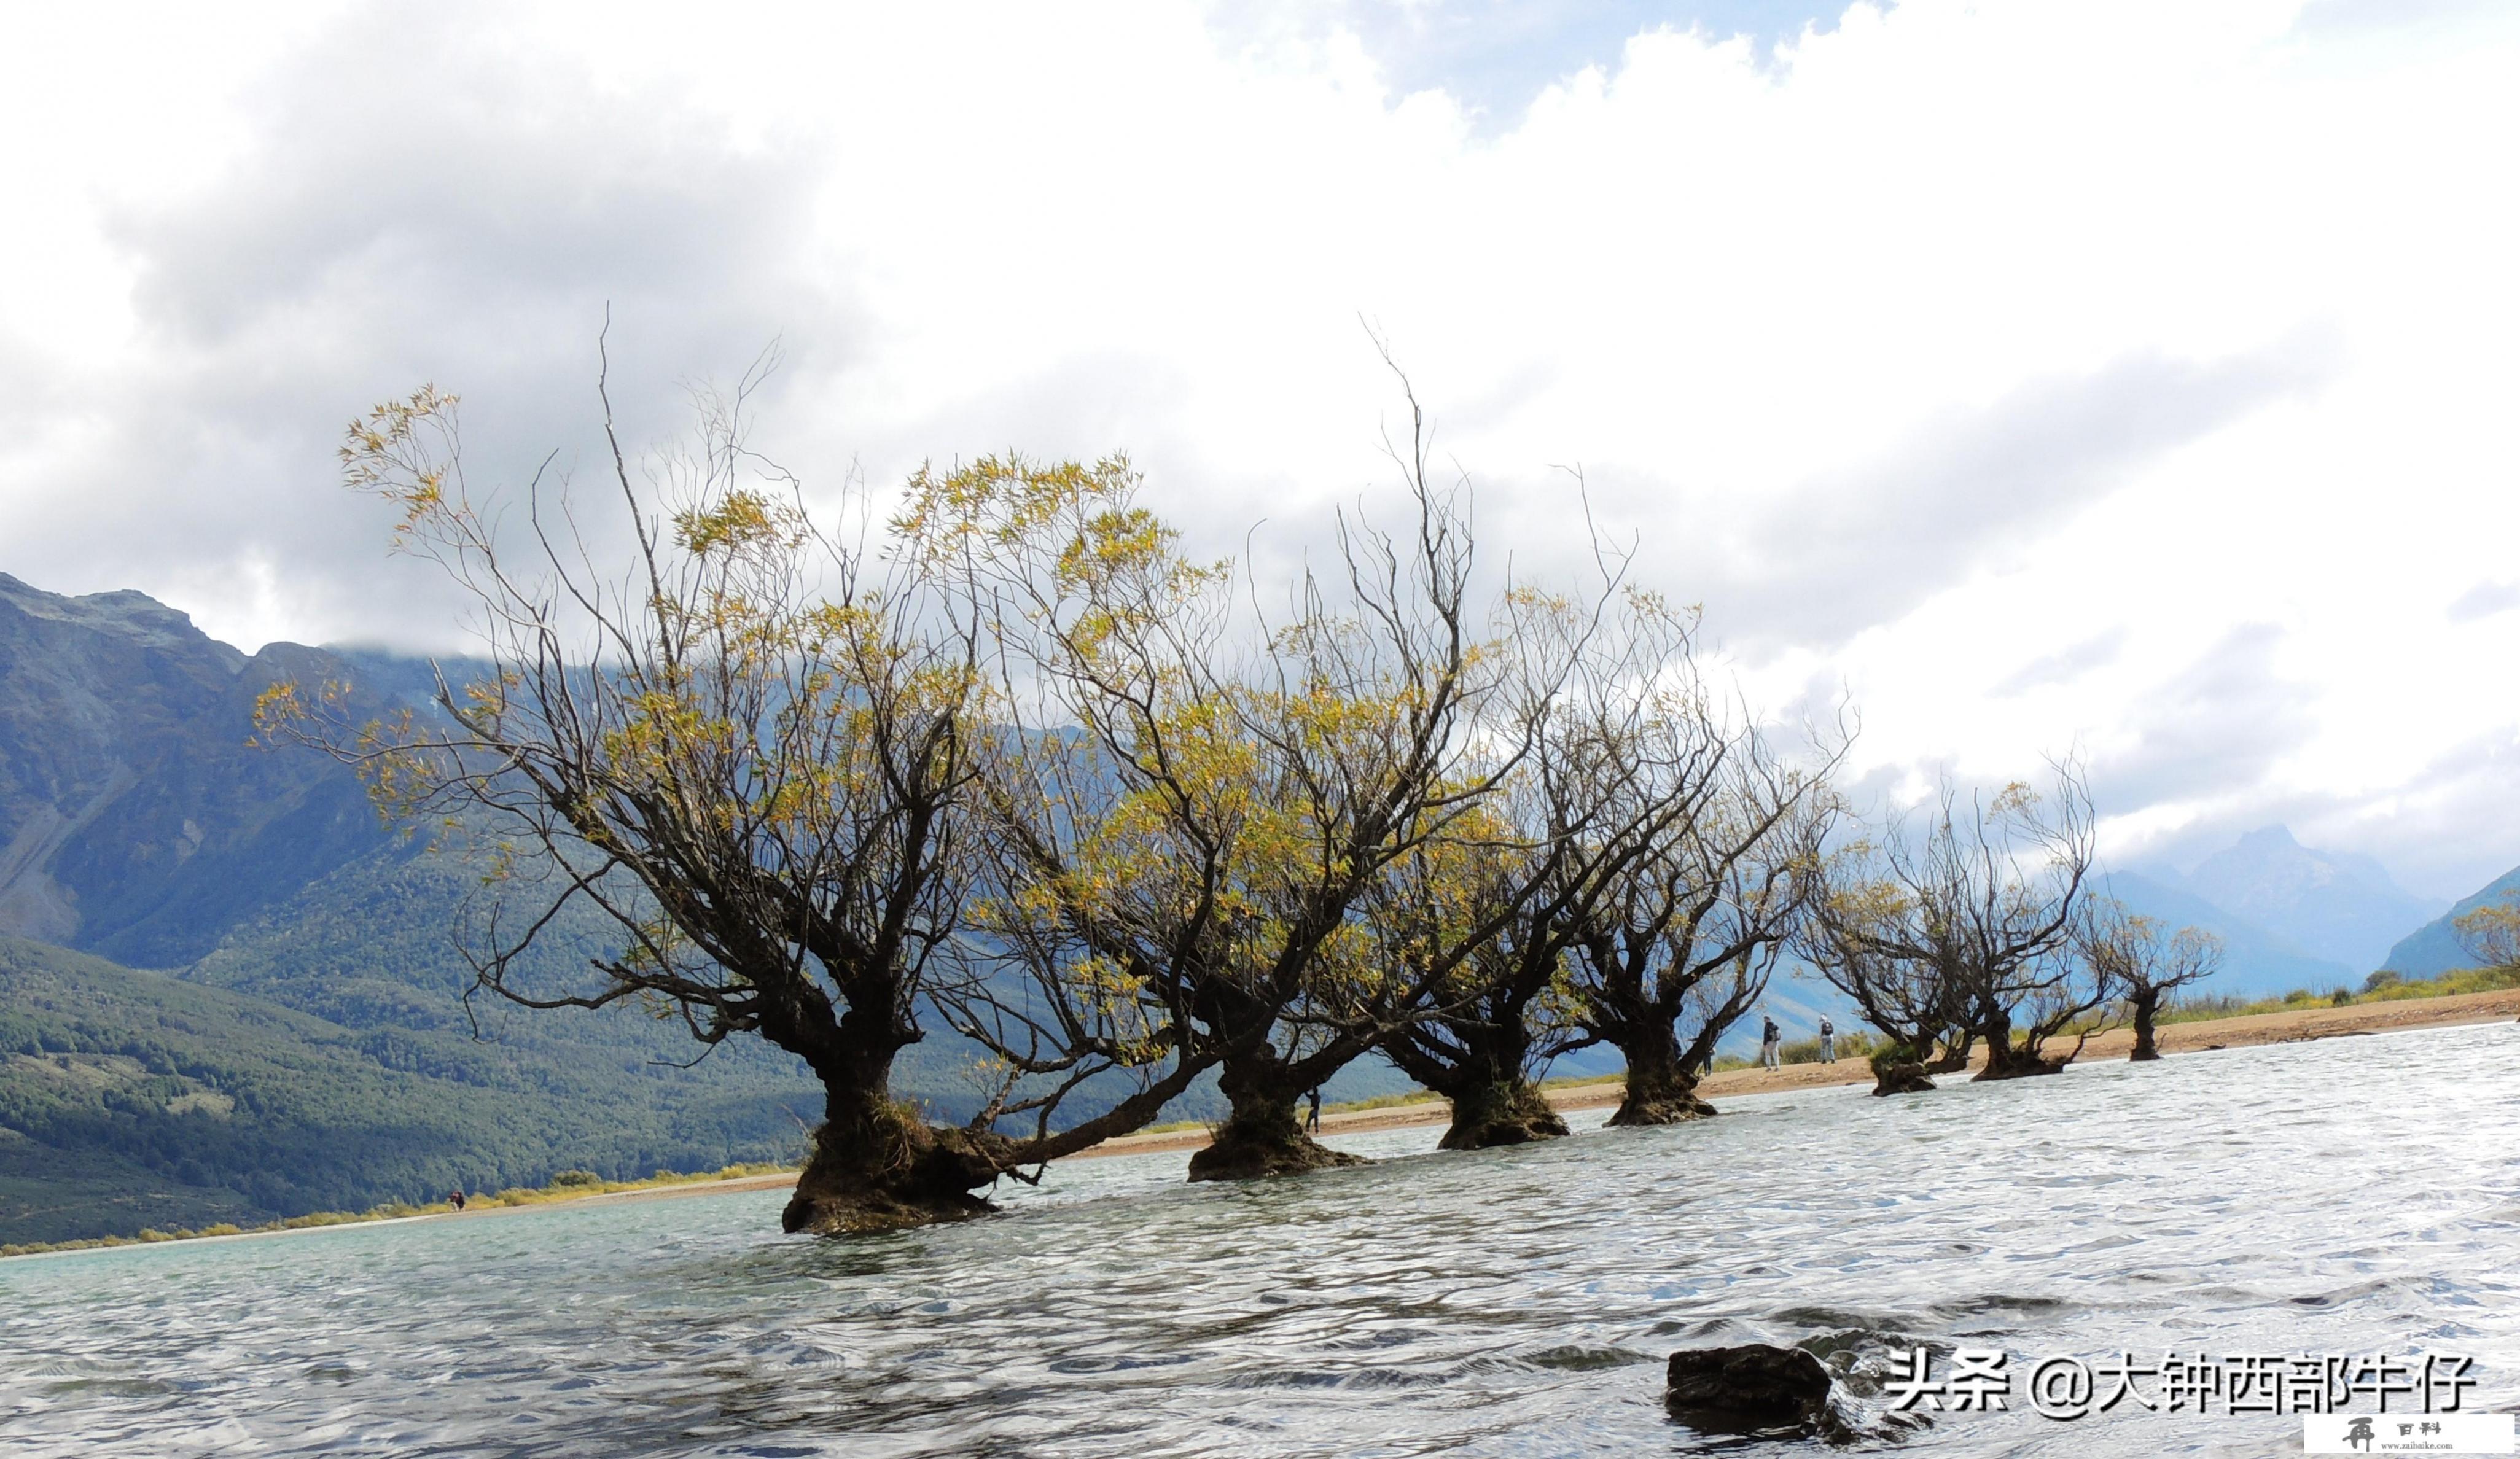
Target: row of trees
(1017,765)
(1984,930)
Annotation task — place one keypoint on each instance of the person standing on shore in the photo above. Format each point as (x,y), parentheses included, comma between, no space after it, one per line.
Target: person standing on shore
(1828,1041)
(1313,1119)
(1770,1047)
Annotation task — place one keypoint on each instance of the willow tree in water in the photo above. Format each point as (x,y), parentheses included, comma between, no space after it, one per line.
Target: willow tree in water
(1476,1042)
(1964,935)
(1200,800)
(2141,960)
(1680,944)
(748,744)
(1601,793)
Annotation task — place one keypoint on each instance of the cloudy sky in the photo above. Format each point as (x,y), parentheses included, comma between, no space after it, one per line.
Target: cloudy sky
(2128,378)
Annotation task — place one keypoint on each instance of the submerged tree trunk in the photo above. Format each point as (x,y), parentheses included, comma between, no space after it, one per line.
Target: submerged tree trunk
(1899,1068)
(2007,1059)
(1502,1111)
(876,1165)
(1262,1136)
(1660,1090)
(1476,1062)
(2147,1003)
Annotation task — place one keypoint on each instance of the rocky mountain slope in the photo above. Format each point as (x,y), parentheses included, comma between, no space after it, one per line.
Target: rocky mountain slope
(135,820)
(2434,949)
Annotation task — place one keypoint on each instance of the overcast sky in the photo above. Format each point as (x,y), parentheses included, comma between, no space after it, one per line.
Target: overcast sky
(2137,378)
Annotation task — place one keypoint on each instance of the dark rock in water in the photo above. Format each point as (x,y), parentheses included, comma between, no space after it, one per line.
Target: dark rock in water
(1901,1079)
(1750,1388)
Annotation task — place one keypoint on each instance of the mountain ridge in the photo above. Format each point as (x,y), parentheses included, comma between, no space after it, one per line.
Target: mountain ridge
(136,821)
(2336,906)
(2257,960)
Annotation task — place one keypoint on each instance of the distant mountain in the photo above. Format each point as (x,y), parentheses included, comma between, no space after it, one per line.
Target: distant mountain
(2433,949)
(135,820)
(2256,961)
(2332,906)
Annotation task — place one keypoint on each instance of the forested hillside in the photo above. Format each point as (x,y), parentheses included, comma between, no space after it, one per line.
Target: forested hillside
(330,1061)
(130,1098)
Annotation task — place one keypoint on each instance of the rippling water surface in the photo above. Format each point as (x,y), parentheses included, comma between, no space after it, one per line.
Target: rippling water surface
(2351,1195)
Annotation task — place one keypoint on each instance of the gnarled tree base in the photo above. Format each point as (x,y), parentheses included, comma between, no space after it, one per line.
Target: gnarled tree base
(891,1172)
(1493,1115)
(1901,1079)
(862,1213)
(1660,1107)
(1250,1145)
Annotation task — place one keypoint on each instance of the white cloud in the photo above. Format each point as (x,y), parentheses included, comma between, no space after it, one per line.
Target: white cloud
(1926,346)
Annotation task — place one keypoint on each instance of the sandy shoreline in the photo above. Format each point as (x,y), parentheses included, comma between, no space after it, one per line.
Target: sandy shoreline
(2291,1026)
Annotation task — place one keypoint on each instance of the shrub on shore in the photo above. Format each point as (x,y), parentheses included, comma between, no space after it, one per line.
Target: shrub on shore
(1854,1046)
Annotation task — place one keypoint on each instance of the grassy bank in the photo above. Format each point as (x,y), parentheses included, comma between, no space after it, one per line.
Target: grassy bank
(567,1185)
(2380,987)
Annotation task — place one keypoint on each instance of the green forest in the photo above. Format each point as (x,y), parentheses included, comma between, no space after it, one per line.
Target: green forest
(131,1100)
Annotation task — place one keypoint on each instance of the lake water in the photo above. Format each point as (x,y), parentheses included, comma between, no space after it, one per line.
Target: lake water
(2349,1196)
